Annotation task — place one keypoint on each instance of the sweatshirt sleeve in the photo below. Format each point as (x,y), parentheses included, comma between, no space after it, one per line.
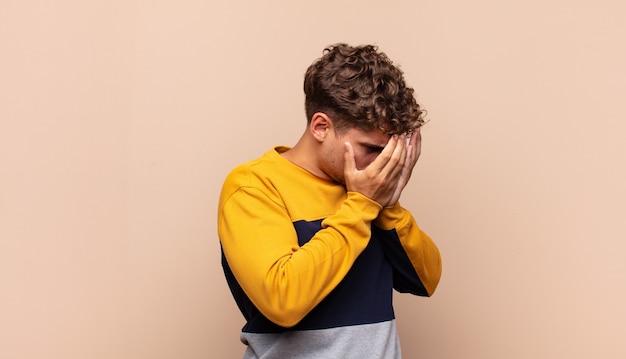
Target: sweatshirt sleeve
(412,253)
(261,247)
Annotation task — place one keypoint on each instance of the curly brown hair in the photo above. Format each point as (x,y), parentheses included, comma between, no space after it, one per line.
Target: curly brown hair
(359,87)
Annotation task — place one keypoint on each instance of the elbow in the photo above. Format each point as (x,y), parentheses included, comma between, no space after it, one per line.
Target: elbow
(285,315)
(284,305)
(432,278)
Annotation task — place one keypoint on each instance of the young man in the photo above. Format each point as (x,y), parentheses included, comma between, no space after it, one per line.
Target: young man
(313,237)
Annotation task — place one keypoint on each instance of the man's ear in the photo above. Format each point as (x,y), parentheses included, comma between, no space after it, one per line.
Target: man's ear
(320,126)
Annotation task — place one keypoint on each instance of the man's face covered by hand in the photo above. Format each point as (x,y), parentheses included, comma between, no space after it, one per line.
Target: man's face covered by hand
(367,146)
(373,163)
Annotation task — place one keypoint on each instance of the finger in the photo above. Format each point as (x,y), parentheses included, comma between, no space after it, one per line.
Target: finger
(418,138)
(396,162)
(382,160)
(349,159)
(405,152)
(413,152)
(415,145)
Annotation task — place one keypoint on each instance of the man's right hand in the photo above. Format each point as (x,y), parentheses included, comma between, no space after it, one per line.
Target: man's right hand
(380,180)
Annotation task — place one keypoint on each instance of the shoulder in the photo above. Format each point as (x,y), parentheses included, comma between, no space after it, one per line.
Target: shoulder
(261,173)
(253,172)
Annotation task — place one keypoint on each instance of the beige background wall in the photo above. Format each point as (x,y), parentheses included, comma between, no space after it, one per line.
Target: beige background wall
(119,120)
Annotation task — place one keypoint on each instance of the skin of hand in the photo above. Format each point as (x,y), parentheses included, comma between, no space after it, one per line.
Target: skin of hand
(384,178)
(413,151)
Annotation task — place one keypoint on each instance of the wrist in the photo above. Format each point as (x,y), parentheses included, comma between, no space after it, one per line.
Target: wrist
(390,216)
